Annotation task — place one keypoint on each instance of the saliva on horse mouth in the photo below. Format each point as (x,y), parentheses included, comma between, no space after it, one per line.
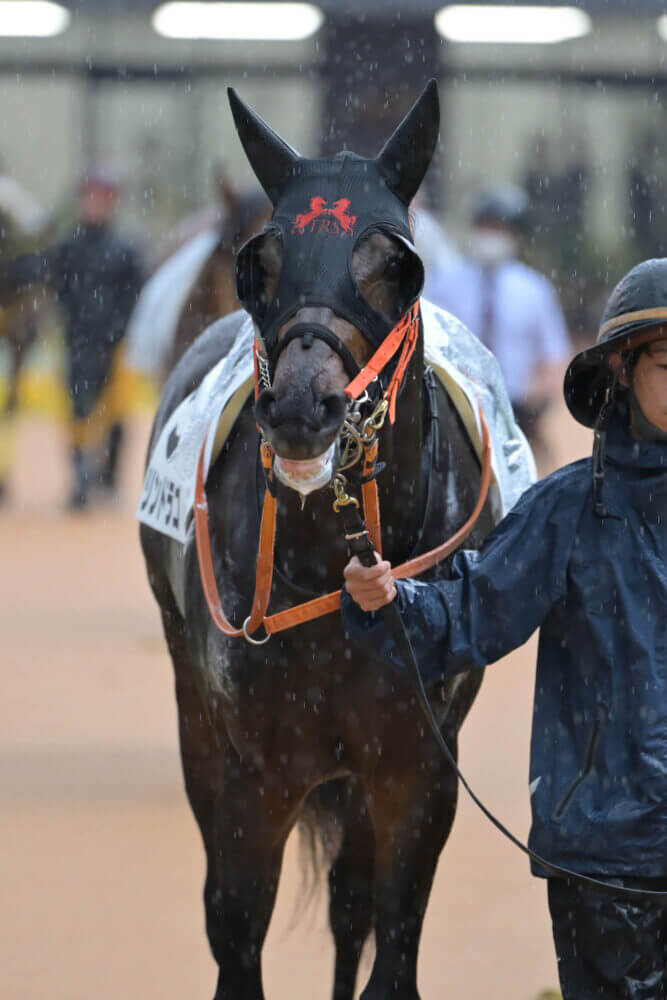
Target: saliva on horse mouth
(307,475)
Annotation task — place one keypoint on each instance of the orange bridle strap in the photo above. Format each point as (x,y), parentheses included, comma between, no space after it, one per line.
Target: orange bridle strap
(370,499)
(264,574)
(405,332)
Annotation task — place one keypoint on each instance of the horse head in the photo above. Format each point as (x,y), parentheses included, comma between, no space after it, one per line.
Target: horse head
(328,279)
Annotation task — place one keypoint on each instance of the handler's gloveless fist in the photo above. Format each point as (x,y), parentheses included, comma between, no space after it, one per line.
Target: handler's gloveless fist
(371,587)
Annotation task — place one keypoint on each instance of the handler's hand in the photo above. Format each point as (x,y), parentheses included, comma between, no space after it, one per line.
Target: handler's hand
(371,587)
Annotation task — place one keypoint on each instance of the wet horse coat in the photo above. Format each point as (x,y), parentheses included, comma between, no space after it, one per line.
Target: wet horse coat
(308,724)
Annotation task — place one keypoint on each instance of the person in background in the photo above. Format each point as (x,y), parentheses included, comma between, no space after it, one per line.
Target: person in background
(583,557)
(96,276)
(513,309)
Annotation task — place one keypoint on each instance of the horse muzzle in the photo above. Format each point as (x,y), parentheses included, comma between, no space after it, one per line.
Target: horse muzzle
(303,438)
(307,476)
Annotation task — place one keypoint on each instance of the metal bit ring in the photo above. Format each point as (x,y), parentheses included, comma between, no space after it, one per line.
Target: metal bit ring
(249,638)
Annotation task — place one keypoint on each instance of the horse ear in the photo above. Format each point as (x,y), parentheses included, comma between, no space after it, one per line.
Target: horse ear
(271,158)
(405,156)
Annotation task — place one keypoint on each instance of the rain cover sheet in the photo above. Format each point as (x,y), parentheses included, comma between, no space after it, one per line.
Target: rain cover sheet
(469,373)
(153,323)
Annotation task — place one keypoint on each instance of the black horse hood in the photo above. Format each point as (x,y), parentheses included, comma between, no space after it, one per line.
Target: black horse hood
(323,208)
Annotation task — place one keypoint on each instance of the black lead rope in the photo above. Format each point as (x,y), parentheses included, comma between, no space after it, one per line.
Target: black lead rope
(360,545)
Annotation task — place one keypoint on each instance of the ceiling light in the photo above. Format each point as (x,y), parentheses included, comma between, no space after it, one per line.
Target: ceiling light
(511,24)
(249,21)
(32,18)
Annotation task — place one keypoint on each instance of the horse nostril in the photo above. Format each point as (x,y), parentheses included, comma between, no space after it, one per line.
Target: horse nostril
(331,409)
(265,408)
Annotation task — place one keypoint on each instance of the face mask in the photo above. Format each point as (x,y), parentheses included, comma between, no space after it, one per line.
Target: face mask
(323,214)
(491,246)
(323,209)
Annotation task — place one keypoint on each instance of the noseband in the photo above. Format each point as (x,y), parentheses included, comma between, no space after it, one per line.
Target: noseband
(307,333)
(404,334)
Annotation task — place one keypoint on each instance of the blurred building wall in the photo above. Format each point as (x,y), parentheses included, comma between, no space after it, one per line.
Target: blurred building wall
(577,113)
(166,124)
(495,124)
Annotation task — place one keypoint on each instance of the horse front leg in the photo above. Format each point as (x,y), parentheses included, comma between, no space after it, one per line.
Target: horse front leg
(351,888)
(242,830)
(250,833)
(412,815)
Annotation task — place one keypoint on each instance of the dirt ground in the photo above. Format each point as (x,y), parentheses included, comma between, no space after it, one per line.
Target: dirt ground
(101,865)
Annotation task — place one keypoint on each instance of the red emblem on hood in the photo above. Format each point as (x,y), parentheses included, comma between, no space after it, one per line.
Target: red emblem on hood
(321,217)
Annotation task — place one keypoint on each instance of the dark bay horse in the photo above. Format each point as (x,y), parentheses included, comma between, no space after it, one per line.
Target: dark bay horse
(307,725)
(214,293)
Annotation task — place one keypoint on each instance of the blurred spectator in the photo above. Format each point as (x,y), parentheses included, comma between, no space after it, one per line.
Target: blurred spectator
(96,276)
(512,308)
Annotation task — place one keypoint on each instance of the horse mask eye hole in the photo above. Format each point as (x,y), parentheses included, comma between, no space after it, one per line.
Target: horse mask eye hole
(258,268)
(387,273)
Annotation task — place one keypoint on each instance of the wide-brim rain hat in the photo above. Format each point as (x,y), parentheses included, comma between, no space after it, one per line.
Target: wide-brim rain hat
(638,303)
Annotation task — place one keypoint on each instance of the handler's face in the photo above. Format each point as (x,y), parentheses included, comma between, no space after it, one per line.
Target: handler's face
(649,383)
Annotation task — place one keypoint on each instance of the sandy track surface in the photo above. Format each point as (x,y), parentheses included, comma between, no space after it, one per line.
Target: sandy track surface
(101,865)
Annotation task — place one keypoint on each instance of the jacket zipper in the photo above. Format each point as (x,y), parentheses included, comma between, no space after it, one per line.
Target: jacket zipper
(588,762)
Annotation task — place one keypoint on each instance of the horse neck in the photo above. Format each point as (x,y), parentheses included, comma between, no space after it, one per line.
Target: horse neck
(310,547)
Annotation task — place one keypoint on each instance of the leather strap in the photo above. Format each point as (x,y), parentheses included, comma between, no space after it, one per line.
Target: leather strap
(370,499)
(307,332)
(419,564)
(409,344)
(385,353)
(264,566)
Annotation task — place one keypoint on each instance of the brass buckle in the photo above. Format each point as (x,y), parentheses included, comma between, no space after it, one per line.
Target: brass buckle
(343,498)
(351,446)
(375,422)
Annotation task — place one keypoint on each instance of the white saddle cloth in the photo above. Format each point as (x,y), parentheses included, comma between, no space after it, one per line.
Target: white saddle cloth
(467,370)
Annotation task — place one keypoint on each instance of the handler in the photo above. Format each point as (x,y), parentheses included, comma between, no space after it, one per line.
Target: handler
(582,556)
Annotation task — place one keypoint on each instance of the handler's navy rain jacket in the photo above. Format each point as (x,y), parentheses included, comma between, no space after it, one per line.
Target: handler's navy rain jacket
(597,588)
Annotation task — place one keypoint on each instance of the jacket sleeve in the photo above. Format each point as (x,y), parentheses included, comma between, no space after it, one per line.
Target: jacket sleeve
(494,599)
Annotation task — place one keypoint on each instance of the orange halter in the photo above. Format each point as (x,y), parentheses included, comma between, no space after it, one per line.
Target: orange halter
(404,333)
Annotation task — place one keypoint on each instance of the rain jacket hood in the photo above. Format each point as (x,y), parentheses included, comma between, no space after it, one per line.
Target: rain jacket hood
(597,587)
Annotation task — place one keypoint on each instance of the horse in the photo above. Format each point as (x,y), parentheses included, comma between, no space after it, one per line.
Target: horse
(308,729)
(214,293)
(165,325)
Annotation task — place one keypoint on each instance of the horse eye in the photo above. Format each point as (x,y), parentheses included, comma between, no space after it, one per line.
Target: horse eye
(392,266)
